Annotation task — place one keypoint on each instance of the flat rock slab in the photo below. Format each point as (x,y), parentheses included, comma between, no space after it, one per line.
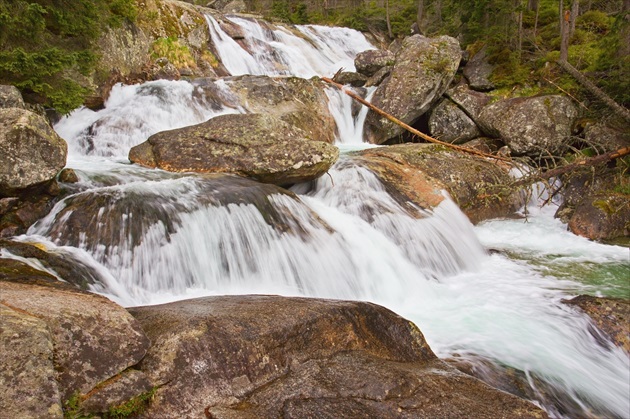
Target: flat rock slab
(256,146)
(269,356)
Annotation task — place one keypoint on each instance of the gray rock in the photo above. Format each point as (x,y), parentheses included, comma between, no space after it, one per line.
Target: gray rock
(470,101)
(93,338)
(235,6)
(272,357)
(257,146)
(10,97)
(531,126)
(299,102)
(606,138)
(32,152)
(351,78)
(28,388)
(450,124)
(478,71)
(379,76)
(370,61)
(423,70)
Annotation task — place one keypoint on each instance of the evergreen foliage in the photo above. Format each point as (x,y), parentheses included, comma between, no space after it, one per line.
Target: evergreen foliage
(46,46)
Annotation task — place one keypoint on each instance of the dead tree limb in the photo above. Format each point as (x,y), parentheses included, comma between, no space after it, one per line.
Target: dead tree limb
(592,161)
(411,129)
(619,110)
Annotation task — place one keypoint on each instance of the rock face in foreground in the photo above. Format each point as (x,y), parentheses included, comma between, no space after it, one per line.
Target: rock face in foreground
(423,70)
(421,171)
(273,357)
(32,152)
(257,146)
(57,340)
(532,125)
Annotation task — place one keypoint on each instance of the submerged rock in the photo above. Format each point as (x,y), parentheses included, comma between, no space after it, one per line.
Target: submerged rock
(257,146)
(421,171)
(610,315)
(32,152)
(536,126)
(423,70)
(267,356)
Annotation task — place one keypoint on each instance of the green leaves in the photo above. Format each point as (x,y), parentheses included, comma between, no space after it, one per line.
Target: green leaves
(46,45)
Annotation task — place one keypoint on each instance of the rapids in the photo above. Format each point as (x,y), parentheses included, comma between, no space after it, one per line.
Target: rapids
(346,239)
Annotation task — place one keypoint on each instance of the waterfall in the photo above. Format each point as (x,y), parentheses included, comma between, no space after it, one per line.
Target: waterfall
(276,51)
(153,236)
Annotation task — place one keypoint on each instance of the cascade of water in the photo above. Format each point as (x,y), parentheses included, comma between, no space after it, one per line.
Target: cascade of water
(168,239)
(349,122)
(132,114)
(275,51)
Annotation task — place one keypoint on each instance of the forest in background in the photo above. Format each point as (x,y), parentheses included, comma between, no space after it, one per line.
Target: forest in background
(47,46)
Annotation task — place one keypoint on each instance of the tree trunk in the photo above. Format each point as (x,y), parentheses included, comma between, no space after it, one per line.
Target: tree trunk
(420,16)
(564,35)
(536,20)
(617,109)
(575,11)
(389,23)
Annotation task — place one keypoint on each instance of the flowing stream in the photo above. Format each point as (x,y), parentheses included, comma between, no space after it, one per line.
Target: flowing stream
(347,240)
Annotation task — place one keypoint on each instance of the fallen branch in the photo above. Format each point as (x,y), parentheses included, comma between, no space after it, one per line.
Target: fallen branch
(619,110)
(411,129)
(592,161)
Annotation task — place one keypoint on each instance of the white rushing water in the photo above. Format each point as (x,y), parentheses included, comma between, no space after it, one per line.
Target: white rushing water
(431,267)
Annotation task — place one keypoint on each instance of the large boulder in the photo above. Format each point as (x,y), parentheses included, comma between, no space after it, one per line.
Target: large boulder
(91,219)
(478,71)
(132,52)
(61,341)
(32,152)
(603,216)
(10,97)
(534,126)
(423,70)
(268,356)
(454,119)
(257,146)
(596,205)
(421,171)
(449,123)
(298,102)
(370,61)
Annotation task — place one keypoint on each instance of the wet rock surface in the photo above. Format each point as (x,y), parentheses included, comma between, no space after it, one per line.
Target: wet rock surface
(267,356)
(610,315)
(257,146)
(478,186)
